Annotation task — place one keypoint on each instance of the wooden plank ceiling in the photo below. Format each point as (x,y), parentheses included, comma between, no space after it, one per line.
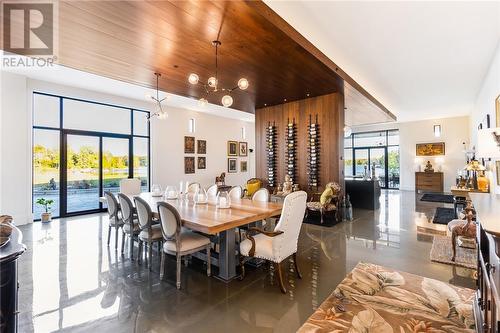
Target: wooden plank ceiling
(130,40)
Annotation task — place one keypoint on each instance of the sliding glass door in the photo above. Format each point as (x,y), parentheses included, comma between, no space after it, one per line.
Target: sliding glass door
(92,164)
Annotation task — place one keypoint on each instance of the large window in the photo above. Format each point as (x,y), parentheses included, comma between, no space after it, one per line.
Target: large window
(83,148)
(368,150)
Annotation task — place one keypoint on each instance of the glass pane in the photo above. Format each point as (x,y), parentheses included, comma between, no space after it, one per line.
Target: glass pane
(377,156)
(393,137)
(45,111)
(370,139)
(393,165)
(361,161)
(348,163)
(114,163)
(45,170)
(82,173)
(95,117)
(140,123)
(141,161)
(348,142)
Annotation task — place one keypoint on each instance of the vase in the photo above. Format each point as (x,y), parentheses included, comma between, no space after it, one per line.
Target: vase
(46,217)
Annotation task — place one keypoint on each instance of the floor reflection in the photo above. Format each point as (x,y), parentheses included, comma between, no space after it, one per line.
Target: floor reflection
(71,281)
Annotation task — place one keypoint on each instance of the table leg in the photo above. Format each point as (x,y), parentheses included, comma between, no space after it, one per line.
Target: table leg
(227,255)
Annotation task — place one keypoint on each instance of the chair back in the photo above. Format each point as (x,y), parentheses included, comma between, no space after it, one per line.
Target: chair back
(212,191)
(290,222)
(193,187)
(127,208)
(144,213)
(112,204)
(236,193)
(261,195)
(130,186)
(170,220)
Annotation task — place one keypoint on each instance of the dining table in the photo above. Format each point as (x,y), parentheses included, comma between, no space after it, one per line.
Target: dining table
(209,219)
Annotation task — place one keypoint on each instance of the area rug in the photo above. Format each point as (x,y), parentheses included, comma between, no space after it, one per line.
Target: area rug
(441,252)
(443,215)
(437,197)
(378,299)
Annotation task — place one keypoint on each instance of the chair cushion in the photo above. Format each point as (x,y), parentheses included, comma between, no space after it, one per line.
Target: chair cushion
(263,247)
(252,187)
(155,233)
(317,206)
(189,241)
(326,196)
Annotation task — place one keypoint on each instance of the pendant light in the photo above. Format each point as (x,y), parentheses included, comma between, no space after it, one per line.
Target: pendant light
(212,85)
(158,109)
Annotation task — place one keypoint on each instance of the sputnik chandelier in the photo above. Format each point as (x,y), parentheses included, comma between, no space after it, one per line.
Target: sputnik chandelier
(212,86)
(158,109)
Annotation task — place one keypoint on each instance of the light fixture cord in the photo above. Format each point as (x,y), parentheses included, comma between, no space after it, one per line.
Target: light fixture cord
(157,92)
(216,63)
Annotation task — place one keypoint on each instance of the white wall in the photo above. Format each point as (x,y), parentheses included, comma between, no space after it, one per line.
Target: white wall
(167,141)
(485,104)
(455,131)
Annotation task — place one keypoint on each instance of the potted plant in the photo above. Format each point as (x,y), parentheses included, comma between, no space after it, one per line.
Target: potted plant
(46,203)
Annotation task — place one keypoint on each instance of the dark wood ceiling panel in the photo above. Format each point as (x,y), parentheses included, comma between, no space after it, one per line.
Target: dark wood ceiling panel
(130,40)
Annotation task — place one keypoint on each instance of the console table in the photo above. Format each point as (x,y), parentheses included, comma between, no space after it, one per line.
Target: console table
(9,253)
(487,299)
(429,181)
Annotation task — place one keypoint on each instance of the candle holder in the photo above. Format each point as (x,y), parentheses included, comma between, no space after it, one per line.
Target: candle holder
(171,193)
(223,200)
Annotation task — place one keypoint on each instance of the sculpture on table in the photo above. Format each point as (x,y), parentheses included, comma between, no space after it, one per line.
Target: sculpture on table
(467,229)
(221,180)
(374,176)
(287,186)
(428,167)
(365,172)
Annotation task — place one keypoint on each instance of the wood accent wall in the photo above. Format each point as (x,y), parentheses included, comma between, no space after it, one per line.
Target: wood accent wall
(330,111)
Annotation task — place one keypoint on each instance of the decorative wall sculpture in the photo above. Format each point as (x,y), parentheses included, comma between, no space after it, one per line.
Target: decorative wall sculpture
(271,153)
(291,149)
(430,149)
(313,151)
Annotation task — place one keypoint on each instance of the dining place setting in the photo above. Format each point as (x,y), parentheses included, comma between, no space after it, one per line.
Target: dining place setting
(224,228)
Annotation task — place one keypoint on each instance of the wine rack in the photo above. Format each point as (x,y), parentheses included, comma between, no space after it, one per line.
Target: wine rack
(291,149)
(313,153)
(271,153)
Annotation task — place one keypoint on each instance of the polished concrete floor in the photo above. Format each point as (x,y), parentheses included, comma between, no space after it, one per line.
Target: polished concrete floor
(71,281)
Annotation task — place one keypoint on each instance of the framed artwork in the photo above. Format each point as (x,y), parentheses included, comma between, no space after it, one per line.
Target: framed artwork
(189,145)
(202,147)
(497,109)
(430,149)
(231,165)
(243,166)
(188,165)
(243,148)
(202,162)
(232,148)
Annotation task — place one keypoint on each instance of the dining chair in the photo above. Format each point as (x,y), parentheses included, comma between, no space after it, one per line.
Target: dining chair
(261,194)
(131,225)
(148,232)
(130,186)
(236,193)
(277,245)
(212,191)
(179,241)
(115,221)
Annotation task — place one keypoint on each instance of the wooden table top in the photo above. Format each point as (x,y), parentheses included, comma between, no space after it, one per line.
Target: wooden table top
(488,211)
(209,219)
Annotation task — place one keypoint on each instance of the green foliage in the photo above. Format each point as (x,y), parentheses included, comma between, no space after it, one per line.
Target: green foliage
(46,203)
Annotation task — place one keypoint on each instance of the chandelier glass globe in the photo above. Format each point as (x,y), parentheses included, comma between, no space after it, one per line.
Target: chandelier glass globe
(162,115)
(227,101)
(347,131)
(212,82)
(193,78)
(243,83)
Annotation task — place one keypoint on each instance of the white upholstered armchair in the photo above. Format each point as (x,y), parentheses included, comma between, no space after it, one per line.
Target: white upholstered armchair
(281,243)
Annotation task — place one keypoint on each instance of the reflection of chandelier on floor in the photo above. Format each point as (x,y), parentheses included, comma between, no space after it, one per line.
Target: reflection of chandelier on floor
(212,85)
